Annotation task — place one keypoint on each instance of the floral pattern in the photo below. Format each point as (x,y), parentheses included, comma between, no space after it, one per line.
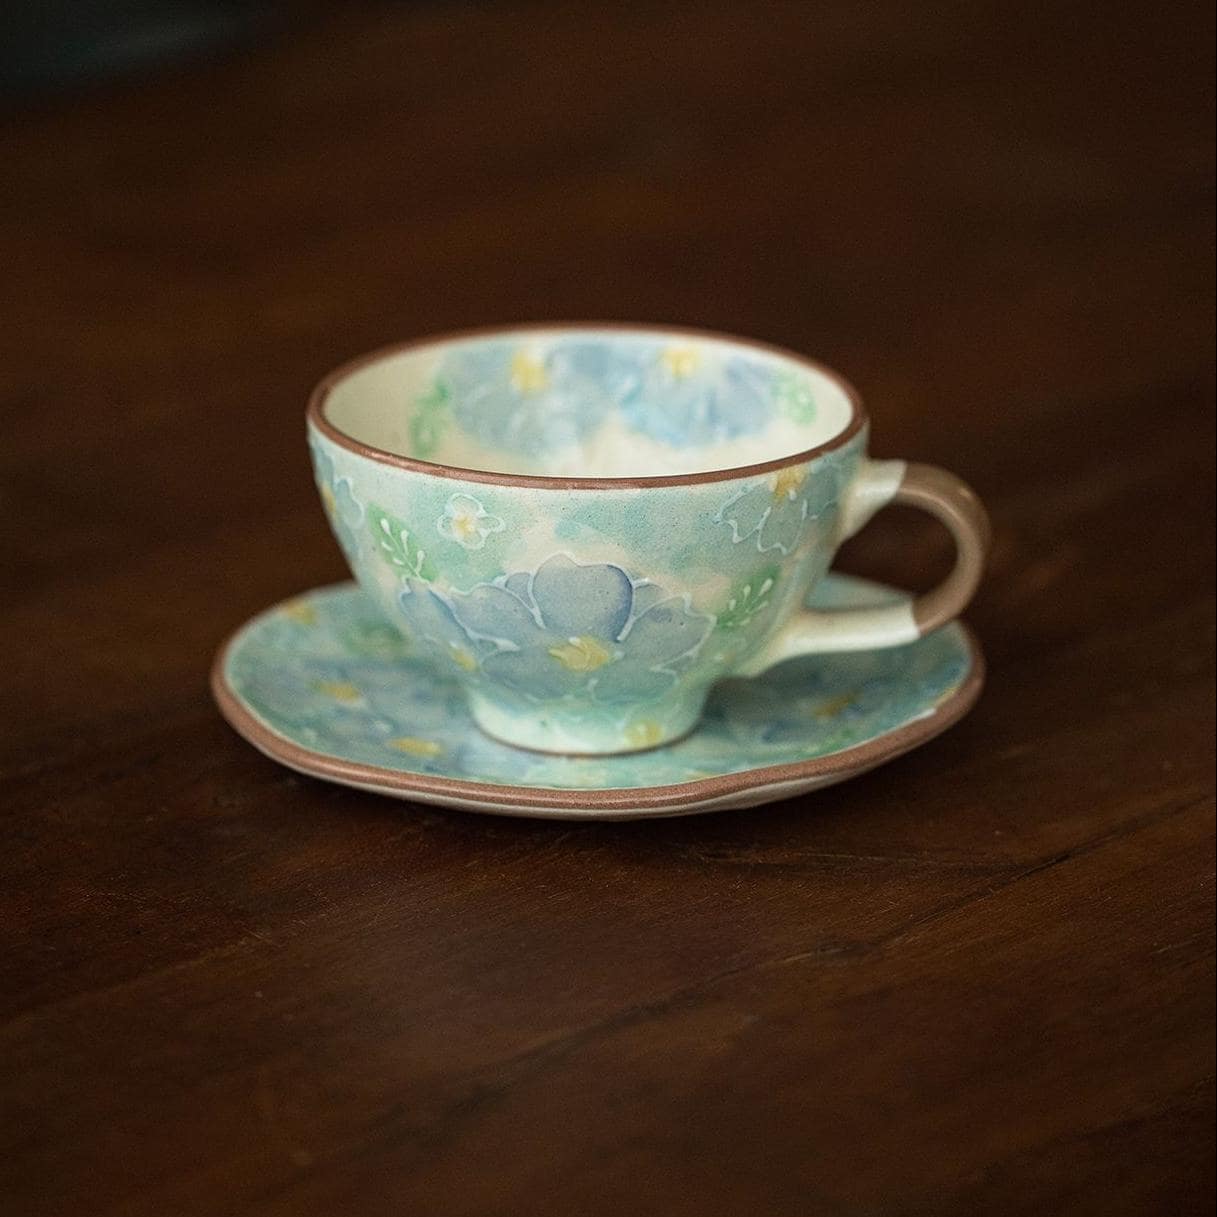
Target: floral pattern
(515,397)
(769,514)
(429,619)
(375,639)
(794,397)
(705,398)
(750,599)
(428,420)
(518,396)
(399,545)
(583,621)
(345,512)
(467,522)
(565,631)
(312,682)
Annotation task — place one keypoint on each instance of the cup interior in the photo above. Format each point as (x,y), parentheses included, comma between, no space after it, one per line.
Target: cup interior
(579,402)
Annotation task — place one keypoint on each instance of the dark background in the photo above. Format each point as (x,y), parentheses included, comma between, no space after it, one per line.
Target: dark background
(977,980)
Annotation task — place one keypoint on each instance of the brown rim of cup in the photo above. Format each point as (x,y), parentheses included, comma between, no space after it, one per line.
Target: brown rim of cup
(317,417)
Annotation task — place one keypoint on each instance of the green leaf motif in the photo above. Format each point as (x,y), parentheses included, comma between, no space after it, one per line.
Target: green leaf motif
(427,424)
(399,546)
(751,597)
(794,398)
(437,399)
(425,431)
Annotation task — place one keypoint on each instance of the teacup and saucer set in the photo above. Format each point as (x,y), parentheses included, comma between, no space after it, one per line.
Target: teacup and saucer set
(593,582)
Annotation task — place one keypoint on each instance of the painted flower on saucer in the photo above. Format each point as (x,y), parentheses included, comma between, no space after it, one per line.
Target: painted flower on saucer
(309,682)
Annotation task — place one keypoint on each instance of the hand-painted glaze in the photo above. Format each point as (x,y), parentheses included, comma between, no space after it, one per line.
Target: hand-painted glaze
(573,618)
(321,676)
(594,616)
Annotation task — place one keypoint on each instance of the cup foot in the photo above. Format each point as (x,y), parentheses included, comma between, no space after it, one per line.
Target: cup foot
(546,729)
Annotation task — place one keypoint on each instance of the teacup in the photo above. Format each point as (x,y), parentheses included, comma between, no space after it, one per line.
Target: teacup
(589,525)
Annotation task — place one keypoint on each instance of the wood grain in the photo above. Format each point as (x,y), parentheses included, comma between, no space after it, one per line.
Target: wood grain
(979,980)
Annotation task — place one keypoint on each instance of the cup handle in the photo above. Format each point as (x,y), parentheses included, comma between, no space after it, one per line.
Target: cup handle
(878,484)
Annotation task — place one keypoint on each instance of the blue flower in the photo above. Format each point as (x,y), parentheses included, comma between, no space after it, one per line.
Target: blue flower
(429,619)
(565,630)
(684,394)
(774,514)
(521,397)
(530,396)
(345,511)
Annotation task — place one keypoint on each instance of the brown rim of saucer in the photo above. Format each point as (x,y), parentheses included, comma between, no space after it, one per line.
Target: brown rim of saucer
(317,417)
(846,763)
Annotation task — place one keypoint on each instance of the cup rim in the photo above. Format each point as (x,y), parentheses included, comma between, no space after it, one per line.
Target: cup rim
(317,418)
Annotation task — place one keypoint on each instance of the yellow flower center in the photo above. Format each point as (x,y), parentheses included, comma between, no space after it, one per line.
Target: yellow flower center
(464,524)
(339,690)
(788,481)
(414,746)
(681,362)
(643,734)
(581,654)
(527,373)
(828,710)
(301,612)
(463,659)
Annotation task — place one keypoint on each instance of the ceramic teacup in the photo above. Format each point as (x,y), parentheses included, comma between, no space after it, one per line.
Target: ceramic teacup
(589,525)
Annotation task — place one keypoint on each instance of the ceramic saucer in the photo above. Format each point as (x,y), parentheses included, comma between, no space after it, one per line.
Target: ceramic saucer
(322,684)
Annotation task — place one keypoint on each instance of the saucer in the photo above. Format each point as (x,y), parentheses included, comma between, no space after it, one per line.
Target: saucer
(322,684)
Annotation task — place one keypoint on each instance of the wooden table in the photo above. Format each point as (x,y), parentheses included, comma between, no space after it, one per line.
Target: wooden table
(979,980)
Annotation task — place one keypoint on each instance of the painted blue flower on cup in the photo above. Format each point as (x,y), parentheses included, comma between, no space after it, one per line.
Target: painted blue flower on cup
(517,396)
(429,620)
(706,398)
(564,631)
(772,514)
(345,511)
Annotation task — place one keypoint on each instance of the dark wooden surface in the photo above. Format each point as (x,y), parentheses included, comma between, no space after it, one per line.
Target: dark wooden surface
(979,980)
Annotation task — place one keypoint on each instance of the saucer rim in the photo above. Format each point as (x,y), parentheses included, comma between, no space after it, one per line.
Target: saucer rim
(845,763)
